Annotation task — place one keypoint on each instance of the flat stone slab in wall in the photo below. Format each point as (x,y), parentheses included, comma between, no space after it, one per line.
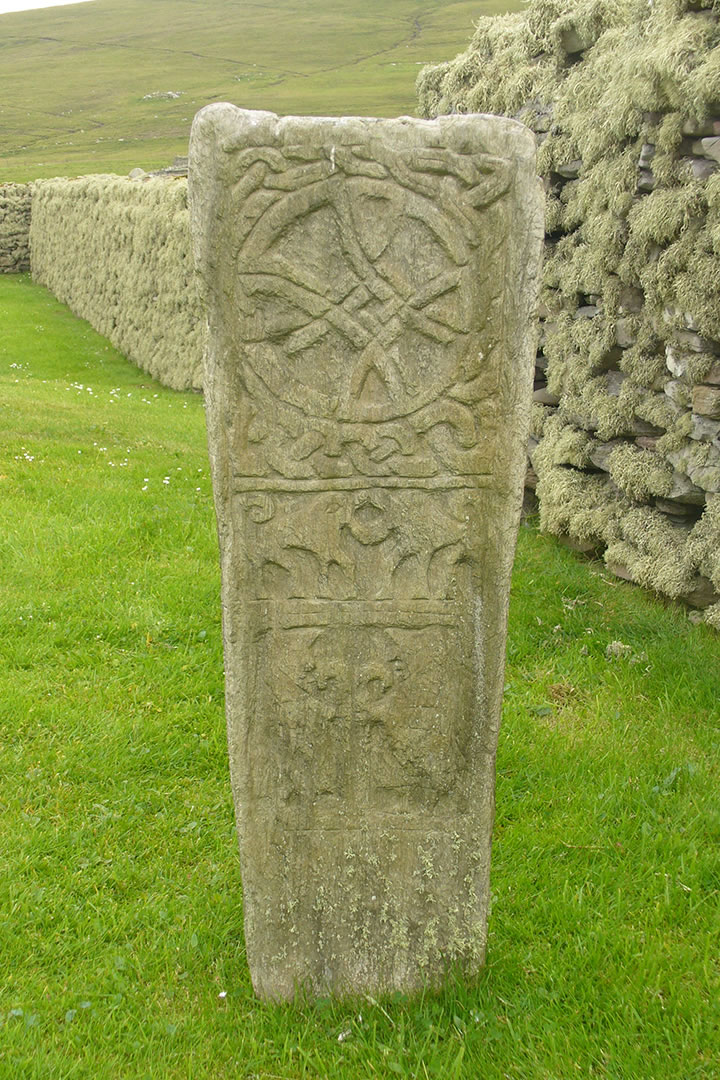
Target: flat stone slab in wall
(15,203)
(369,285)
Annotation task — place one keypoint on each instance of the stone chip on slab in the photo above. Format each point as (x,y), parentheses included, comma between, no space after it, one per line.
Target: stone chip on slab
(706,401)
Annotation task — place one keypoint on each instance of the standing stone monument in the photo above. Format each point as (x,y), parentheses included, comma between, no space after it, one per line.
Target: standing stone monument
(369,287)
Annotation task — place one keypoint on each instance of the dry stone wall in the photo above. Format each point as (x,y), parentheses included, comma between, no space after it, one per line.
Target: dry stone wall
(624,98)
(15,202)
(117,252)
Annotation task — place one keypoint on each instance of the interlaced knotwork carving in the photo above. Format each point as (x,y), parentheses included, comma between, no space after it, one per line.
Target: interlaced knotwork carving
(341,254)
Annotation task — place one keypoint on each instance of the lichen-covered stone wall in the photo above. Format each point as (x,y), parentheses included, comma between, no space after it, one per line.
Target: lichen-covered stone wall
(15,201)
(624,96)
(117,252)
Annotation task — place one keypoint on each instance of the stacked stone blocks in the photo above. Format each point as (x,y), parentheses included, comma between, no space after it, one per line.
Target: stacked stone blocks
(15,203)
(625,103)
(117,252)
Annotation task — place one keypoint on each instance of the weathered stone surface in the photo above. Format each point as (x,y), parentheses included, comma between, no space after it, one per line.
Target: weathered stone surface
(672,314)
(620,571)
(704,470)
(614,382)
(683,490)
(695,342)
(544,397)
(706,401)
(678,511)
(709,148)
(646,181)
(703,429)
(702,594)
(537,115)
(679,392)
(697,128)
(15,204)
(368,285)
(625,332)
(569,170)
(601,453)
(700,168)
(676,361)
(713,376)
(630,300)
(647,154)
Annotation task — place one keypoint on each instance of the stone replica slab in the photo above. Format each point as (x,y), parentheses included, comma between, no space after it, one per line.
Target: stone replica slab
(369,286)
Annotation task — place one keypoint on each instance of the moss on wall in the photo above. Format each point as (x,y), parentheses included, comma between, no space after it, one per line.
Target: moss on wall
(624,97)
(15,202)
(117,252)
(640,474)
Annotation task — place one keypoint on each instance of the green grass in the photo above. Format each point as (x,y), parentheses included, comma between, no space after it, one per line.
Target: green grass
(73,79)
(121,948)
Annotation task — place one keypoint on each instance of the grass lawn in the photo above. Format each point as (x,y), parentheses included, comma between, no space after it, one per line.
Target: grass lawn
(121,949)
(85,88)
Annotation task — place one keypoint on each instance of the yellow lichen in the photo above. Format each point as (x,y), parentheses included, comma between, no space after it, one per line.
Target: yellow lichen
(620,93)
(118,253)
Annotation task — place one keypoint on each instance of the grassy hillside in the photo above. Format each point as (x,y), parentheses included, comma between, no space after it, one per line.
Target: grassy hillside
(77,82)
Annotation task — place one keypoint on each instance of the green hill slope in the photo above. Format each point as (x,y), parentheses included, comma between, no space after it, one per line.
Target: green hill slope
(91,87)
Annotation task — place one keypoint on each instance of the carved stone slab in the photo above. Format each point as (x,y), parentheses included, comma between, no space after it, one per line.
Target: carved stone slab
(369,286)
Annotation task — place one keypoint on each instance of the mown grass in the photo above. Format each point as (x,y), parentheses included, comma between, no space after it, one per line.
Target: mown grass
(121,947)
(74,81)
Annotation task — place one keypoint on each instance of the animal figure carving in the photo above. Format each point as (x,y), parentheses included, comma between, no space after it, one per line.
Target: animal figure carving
(357,545)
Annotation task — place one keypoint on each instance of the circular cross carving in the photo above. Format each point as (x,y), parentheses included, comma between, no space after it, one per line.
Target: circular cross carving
(353,299)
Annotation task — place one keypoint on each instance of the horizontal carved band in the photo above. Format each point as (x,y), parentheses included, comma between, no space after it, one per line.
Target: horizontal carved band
(243,484)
